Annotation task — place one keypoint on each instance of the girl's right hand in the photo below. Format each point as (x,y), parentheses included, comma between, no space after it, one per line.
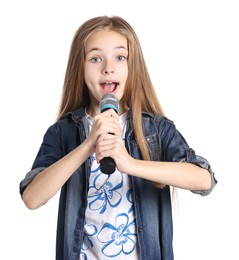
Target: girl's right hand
(103,123)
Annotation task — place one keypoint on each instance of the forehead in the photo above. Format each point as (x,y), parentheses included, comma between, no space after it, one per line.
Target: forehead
(103,38)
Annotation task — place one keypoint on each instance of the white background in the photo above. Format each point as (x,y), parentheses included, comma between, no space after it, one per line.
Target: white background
(192,52)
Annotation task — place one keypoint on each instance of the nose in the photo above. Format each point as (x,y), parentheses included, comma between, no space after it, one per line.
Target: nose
(108,71)
(108,68)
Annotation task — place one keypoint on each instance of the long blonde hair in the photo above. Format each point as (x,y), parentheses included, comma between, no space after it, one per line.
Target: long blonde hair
(139,93)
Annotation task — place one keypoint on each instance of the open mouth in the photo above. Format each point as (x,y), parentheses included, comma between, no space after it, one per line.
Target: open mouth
(109,87)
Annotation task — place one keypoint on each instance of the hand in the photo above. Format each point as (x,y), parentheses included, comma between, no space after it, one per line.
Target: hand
(103,123)
(113,146)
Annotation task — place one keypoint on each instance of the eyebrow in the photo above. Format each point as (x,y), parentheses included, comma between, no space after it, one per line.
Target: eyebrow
(98,49)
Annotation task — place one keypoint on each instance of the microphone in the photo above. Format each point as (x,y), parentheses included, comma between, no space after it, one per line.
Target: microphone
(108,101)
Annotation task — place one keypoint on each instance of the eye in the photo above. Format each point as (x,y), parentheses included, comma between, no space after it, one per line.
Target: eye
(121,58)
(95,59)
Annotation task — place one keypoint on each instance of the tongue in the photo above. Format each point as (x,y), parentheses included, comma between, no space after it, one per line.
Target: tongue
(109,87)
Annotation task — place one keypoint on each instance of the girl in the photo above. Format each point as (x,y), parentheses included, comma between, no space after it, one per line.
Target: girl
(126,214)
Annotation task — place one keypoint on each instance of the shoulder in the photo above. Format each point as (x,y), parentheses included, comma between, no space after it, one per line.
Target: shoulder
(75,115)
(68,121)
(158,120)
(157,124)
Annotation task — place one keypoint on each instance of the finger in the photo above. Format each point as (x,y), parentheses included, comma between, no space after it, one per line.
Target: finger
(110,113)
(107,125)
(108,147)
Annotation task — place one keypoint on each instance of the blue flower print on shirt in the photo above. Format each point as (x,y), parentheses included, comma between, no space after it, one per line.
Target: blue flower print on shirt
(97,166)
(89,231)
(102,194)
(119,238)
(129,198)
(83,256)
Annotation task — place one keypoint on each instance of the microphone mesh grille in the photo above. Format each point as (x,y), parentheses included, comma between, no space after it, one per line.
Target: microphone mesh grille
(109,101)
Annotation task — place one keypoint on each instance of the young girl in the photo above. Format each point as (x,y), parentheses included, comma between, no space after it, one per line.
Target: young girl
(126,214)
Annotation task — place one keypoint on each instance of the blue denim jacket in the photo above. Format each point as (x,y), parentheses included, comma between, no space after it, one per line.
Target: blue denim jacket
(152,205)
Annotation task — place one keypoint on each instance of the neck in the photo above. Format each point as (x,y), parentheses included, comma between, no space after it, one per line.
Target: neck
(92,111)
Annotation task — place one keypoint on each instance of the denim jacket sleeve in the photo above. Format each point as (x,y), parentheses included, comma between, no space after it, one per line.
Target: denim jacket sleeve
(176,149)
(28,178)
(49,152)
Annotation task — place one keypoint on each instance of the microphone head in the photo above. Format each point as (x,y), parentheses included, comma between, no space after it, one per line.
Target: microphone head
(109,101)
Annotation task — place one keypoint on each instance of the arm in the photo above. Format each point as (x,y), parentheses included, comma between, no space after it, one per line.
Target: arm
(48,182)
(54,177)
(179,174)
(182,175)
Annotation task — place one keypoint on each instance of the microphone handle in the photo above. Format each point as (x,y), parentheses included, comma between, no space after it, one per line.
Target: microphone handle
(107,165)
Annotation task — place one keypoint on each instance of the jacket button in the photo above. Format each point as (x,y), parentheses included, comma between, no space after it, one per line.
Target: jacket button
(140,230)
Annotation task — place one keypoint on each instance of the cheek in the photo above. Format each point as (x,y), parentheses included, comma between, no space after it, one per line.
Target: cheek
(126,73)
(91,71)
(88,74)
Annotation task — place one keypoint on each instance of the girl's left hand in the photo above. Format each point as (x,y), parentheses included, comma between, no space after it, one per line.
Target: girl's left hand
(109,145)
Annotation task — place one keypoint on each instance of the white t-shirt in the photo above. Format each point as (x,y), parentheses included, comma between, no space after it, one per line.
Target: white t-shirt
(110,229)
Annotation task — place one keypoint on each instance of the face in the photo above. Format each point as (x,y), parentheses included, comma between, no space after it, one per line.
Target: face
(106,66)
